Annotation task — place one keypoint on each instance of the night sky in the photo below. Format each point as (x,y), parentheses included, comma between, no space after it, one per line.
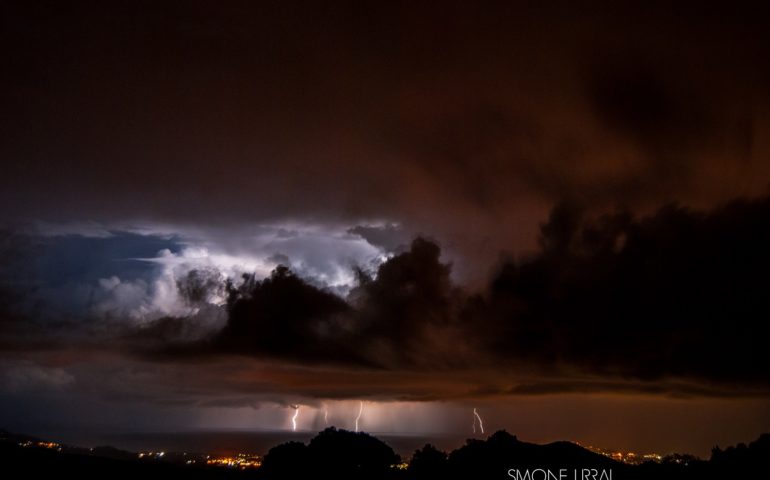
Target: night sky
(557,214)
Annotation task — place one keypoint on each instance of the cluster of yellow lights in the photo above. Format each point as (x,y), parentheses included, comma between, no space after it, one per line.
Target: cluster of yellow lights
(40,444)
(241,461)
(625,457)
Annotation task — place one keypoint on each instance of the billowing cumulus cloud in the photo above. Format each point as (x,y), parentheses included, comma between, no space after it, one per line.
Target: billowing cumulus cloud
(69,270)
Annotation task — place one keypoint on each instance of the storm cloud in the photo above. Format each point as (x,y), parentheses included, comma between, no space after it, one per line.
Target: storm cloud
(676,297)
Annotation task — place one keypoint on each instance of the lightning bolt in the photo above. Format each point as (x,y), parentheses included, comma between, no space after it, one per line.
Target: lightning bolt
(477,417)
(360,411)
(294,418)
(326,417)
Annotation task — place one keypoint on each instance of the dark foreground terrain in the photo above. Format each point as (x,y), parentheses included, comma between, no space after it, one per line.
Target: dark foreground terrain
(342,454)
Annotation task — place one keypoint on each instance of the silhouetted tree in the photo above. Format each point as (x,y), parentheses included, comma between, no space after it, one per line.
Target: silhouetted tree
(288,460)
(428,462)
(345,454)
(741,460)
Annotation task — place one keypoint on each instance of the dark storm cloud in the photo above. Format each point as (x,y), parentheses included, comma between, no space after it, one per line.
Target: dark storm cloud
(673,302)
(408,311)
(679,293)
(283,316)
